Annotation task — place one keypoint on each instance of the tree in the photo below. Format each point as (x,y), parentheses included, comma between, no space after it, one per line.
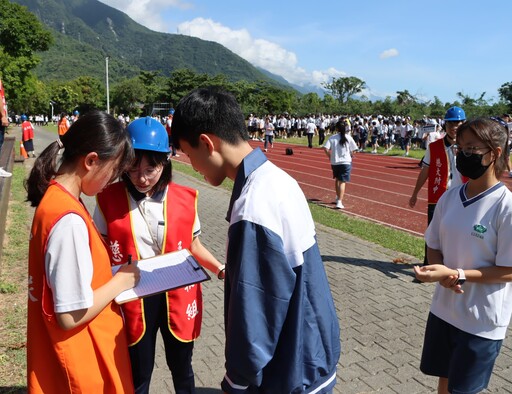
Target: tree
(246,94)
(310,103)
(182,81)
(64,96)
(386,107)
(128,96)
(505,92)
(21,35)
(404,98)
(91,93)
(345,87)
(34,99)
(329,104)
(436,108)
(154,84)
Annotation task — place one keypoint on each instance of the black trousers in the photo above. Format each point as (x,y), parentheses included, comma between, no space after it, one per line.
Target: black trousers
(178,354)
(310,140)
(321,136)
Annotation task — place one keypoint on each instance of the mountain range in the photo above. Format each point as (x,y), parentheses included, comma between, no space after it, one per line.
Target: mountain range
(87,31)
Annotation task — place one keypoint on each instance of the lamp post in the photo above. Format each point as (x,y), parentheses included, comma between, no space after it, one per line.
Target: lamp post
(106,77)
(106,73)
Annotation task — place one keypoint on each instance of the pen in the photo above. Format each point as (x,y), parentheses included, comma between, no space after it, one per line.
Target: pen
(129,259)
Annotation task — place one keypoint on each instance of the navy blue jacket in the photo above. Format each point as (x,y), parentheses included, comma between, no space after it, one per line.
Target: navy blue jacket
(282,332)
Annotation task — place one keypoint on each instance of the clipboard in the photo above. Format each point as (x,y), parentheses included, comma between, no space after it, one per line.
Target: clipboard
(164,272)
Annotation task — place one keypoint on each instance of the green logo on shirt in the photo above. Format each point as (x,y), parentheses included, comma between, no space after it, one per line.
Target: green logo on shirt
(479,228)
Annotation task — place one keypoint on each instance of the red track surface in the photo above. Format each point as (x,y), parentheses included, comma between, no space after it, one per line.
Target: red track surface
(379,189)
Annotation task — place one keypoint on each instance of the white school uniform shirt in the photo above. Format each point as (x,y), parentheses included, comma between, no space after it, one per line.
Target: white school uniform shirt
(310,127)
(269,129)
(340,154)
(474,233)
(68,264)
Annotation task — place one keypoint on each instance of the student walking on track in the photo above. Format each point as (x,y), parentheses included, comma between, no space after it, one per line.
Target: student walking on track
(340,148)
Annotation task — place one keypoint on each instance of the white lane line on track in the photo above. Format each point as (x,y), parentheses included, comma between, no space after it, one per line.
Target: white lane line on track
(366,199)
(355,184)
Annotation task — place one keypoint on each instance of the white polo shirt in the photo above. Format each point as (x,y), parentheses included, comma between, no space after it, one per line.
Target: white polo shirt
(474,233)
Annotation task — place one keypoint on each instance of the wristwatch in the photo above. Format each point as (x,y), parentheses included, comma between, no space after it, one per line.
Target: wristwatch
(462,277)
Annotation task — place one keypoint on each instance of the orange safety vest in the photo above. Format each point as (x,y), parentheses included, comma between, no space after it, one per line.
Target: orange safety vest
(185,305)
(92,358)
(63,126)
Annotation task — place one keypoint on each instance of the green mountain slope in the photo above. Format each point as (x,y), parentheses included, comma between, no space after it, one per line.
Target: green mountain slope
(88,30)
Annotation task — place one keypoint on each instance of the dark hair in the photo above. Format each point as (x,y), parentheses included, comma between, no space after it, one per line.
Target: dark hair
(491,133)
(154,159)
(208,110)
(341,128)
(96,131)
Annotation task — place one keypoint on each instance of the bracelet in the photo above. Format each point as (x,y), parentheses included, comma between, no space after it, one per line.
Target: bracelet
(220,271)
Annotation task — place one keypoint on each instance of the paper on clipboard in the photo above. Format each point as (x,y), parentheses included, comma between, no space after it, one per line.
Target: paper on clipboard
(164,272)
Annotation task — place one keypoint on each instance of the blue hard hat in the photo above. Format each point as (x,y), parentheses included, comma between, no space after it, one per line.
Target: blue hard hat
(455,114)
(171,111)
(148,134)
(75,112)
(23,117)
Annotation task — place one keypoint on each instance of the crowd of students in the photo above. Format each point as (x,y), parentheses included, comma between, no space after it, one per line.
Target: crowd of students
(368,131)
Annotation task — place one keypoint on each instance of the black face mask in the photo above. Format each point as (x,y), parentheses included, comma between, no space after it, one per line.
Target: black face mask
(471,166)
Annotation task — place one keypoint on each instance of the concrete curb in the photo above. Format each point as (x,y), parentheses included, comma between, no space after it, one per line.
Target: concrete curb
(6,161)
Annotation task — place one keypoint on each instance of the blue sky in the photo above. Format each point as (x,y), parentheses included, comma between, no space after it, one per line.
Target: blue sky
(431,48)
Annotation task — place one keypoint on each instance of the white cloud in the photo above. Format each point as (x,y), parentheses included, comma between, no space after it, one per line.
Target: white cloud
(259,52)
(147,12)
(389,53)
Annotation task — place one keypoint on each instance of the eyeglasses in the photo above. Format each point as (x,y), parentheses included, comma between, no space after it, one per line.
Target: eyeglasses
(148,173)
(469,150)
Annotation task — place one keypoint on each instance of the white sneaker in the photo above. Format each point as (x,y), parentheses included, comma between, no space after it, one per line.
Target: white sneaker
(4,174)
(374,151)
(339,205)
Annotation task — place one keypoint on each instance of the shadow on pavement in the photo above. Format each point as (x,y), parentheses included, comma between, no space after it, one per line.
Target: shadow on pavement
(13,390)
(389,269)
